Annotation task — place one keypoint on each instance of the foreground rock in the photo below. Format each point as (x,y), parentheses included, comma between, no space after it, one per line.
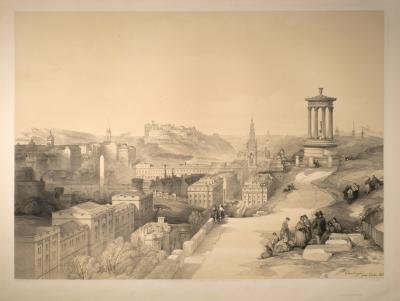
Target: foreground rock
(338,245)
(339,236)
(357,239)
(316,253)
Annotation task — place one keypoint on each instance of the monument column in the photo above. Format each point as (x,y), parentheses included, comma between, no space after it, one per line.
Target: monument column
(309,122)
(315,136)
(323,123)
(330,128)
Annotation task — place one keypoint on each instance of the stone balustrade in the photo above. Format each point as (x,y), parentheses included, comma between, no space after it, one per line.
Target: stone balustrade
(173,264)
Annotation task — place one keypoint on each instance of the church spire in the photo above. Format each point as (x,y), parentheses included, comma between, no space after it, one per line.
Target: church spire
(252,133)
(50,139)
(251,151)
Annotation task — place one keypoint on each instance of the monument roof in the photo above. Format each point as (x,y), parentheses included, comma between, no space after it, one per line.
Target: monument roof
(320,97)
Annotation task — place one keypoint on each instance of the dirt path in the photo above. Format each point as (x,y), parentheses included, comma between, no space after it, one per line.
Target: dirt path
(231,249)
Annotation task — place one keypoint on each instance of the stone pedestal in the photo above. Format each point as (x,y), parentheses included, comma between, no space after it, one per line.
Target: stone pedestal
(310,161)
(324,154)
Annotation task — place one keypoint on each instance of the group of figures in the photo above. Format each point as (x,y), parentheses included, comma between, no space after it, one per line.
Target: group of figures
(306,232)
(351,192)
(316,163)
(372,183)
(218,214)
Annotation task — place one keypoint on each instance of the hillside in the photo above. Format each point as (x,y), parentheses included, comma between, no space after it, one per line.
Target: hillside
(198,148)
(62,136)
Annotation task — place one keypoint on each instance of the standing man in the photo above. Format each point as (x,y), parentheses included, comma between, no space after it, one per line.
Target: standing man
(285,232)
(322,222)
(316,226)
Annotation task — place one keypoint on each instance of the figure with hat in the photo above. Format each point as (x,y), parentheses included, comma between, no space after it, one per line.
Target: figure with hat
(319,226)
(285,232)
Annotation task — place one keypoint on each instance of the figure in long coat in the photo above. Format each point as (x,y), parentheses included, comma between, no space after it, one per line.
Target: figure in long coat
(300,234)
(285,232)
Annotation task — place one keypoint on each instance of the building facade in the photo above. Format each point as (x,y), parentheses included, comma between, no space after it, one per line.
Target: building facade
(37,249)
(148,171)
(100,220)
(257,189)
(142,205)
(74,241)
(206,192)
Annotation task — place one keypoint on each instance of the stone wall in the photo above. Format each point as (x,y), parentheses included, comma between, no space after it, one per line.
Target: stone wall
(191,245)
(172,266)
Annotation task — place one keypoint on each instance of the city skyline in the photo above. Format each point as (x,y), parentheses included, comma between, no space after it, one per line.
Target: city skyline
(89,71)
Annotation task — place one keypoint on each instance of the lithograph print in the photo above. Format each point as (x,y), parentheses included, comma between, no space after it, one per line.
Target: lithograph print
(199,145)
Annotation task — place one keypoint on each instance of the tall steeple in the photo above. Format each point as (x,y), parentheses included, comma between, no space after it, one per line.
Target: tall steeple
(50,139)
(252,133)
(251,147)
(108,134)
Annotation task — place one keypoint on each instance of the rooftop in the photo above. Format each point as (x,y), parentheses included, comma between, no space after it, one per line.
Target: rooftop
(87,207)
(320,97)
(69,227)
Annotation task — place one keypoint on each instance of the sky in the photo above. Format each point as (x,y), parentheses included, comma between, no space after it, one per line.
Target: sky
(214,71)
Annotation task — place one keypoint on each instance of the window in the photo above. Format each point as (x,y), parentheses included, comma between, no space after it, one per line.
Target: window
(39,261)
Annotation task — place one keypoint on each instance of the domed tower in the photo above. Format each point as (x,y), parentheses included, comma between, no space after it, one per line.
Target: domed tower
(50,139)
(251,147)
(320,145)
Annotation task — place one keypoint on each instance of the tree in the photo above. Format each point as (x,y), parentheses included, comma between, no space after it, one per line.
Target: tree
(83,267)
(118,256)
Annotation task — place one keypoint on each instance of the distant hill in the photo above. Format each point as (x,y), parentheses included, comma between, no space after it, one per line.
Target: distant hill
(197,148)
(62,136)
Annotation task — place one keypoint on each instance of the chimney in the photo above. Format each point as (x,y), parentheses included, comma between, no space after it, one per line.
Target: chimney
(320,90)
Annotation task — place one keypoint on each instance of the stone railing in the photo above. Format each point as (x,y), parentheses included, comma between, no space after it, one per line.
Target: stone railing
(169,268)
(172,266)
(191,245)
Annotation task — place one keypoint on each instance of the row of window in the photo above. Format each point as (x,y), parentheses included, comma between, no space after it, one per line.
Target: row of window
(73,241)
(254,196)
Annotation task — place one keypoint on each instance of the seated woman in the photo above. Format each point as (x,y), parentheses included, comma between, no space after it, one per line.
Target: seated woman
(337,227)
(269,247)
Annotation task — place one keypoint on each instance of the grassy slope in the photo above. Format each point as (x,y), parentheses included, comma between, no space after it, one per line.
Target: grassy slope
(368,162)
